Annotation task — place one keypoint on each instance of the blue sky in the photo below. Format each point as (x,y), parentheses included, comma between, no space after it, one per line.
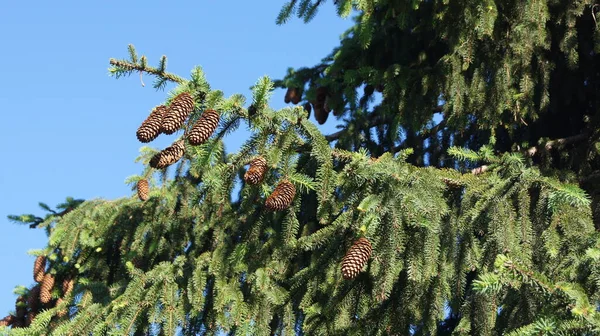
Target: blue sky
(68,129)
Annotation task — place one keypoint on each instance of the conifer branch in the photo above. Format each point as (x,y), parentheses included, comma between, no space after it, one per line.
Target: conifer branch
(374,122)
(121,67)
(548,146)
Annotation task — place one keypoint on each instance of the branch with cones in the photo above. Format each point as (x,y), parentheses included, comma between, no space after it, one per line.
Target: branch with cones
(546,147)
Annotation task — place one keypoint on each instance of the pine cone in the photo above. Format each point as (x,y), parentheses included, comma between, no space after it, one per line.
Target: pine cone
(257,170)
(327,105)
(379,88)
(252,110)
(18,322)
(63,312)
(46,289)
(168,156)
(282,197)
(7,321)
(287,98)
(39,267)
(67,286)
(180,108)
(295,95)
(34,298)
(320,114)
(204,127)
(369,89)
(321,94)
(308,109)
(143,189)
(356,258)
(29,319)
(150,128)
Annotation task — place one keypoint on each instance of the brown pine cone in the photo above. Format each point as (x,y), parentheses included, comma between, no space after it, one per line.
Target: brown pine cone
(308,109)
(282,196)
(256,172)
(46,288)
(67,286)
(29,319)
(168,156)
(7,321)
(143,189)
(320,114)
(62,312)
(180,108)
(150,128)
(204,127)
(321,94)
(39,267)
(356,258)
(295,95)
(33,298)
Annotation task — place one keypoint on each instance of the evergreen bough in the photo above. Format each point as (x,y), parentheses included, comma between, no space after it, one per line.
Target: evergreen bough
(509,247)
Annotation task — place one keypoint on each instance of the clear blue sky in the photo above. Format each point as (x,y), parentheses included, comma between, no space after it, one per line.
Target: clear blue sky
(68,129)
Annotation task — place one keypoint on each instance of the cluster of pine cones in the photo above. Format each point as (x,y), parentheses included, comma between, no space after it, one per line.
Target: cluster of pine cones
(168,120)
(38,298)
(322,105)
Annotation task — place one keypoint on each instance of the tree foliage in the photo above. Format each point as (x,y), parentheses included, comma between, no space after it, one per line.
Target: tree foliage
(475,178)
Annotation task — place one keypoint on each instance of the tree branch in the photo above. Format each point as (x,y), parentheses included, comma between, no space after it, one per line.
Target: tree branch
(378,121)
(548,146)
(126,66)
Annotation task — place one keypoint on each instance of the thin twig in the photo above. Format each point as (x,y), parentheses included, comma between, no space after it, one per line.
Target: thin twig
(128,66)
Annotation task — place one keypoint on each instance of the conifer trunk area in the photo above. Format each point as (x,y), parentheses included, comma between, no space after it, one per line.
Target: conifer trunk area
(461,197)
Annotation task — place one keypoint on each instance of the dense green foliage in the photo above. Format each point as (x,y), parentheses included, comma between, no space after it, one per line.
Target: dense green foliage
(476,178)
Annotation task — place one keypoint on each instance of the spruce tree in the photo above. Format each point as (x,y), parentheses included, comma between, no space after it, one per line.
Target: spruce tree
(464,201)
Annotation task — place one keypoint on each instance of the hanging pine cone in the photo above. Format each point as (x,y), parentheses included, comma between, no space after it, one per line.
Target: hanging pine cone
(295,95)
(150,128)
(39,266)
(320,114)
(67,286)
(168,156)
(62,312)
(287,97)
(143,189)
(178,111)
(46,289)
(29,319)
(356,258)
(252,110)
(308,109)
(34,298)
(7,321)
(257,170)
(369,89)
(282,196)
(204,127)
